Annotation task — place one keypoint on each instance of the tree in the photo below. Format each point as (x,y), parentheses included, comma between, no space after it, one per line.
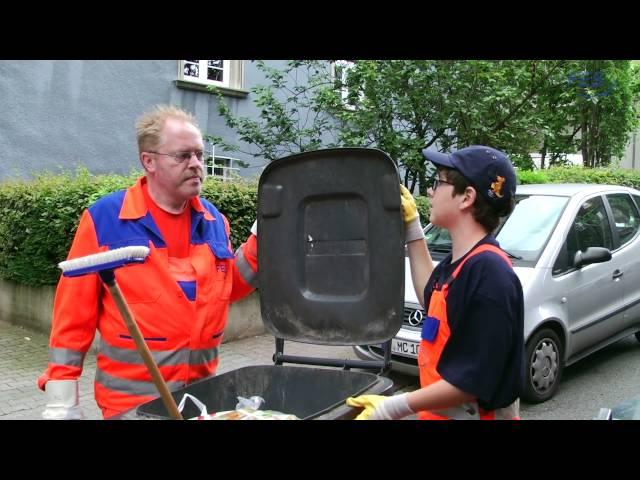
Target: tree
(405,106)
(393,105)
(498,104)
(553,107)
(289,119)
(516,106)
(606,108)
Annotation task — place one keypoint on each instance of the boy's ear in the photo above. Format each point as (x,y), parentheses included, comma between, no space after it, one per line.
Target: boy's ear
(469,196)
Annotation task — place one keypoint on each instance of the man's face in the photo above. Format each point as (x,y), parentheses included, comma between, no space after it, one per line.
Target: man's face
(179,180)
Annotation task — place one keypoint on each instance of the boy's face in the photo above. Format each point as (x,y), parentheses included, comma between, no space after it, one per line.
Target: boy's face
(444,205)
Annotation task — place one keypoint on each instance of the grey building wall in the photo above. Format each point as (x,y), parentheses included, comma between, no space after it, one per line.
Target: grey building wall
(631,158)
(59,114)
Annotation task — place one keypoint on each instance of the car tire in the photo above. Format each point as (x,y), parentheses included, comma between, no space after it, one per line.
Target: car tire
(544,364)
(638,336)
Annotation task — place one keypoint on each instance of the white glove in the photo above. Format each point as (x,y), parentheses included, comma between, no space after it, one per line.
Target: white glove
(63,401)
(254,228)
(392,408)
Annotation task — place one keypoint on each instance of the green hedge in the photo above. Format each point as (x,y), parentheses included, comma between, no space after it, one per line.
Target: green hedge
(577,174)
(238,201)
(574,174)
(38,218)
(424,207)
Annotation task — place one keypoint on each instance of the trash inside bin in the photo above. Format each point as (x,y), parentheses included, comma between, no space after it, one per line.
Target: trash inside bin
(308,393)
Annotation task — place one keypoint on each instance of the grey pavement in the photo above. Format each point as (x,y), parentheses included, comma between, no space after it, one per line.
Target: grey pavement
(24,353)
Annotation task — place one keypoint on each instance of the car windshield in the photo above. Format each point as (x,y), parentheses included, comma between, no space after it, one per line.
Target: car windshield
(523,234)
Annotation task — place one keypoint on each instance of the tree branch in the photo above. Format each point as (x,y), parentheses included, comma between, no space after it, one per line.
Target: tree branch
(501,124)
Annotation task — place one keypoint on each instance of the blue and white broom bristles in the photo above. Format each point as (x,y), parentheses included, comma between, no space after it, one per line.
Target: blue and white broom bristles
(103,261)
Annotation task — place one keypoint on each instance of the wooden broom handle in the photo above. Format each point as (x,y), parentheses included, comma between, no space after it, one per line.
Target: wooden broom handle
(143,349)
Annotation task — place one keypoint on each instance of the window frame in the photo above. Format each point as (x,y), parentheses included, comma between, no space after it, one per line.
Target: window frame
(233,86)
(563,251)
(345,66)
(227,169)
(203,68)
(612,220)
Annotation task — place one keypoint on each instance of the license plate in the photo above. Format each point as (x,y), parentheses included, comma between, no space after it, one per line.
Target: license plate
(404,348)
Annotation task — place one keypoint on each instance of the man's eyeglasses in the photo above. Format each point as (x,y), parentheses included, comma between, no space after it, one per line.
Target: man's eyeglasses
(182,157)
(437,181)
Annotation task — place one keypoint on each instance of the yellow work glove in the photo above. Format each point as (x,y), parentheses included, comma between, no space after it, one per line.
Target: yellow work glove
(409,208)
(410,215)
(367,402)
(377,407)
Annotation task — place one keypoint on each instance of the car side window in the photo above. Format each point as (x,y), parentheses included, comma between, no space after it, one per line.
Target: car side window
(438,236)
(590,228)
(625,215)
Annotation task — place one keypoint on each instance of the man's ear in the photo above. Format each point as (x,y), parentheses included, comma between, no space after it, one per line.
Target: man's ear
(147,162)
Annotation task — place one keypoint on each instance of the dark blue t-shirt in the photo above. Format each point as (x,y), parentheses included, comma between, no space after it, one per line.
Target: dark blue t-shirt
(484,355)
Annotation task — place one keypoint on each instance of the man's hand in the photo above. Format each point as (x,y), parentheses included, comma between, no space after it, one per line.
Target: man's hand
(412,227)
(378,407)
(62,401)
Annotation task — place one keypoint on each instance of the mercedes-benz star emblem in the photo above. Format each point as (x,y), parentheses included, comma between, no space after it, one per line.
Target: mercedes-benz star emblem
(415,318)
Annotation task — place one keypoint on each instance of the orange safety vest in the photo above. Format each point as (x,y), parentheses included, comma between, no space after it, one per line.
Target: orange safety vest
(183,327)
(430,352)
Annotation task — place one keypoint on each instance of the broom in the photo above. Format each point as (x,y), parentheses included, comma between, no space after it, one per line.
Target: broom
(103,264)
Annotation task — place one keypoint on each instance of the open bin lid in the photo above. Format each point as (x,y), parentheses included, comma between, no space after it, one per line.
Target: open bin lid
(331,247)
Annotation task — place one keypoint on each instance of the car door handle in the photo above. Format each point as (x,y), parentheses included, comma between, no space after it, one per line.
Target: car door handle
(617,274)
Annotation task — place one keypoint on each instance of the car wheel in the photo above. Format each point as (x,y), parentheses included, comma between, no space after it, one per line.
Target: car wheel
(638,336)
(544,366)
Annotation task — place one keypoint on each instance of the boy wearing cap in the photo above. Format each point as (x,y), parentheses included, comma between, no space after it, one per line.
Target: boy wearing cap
(471,356)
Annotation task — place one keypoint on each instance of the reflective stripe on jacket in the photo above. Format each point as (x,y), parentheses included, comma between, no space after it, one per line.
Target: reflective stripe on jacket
(182,326)
(430,351)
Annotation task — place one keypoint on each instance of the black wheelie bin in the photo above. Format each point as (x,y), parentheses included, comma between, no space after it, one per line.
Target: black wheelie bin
(331,272)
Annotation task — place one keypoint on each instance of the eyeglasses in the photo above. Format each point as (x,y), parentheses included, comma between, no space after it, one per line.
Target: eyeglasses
(437,181)
(182,157)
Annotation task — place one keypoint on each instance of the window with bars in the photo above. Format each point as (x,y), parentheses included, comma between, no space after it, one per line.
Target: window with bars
(222,167)
(340,71)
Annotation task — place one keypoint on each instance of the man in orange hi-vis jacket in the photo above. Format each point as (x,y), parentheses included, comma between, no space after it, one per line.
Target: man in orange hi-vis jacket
(179,296)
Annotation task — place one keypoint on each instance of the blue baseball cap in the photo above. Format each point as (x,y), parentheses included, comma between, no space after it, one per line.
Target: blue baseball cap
(489,171)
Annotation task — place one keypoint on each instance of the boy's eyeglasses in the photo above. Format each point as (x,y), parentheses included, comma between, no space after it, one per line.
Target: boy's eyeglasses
(437,181)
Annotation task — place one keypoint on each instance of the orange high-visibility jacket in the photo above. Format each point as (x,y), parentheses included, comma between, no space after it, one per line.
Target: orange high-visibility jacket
(182,319)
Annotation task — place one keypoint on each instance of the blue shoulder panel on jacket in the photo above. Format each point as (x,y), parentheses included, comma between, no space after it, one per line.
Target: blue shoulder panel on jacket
(210,232)
(116,233)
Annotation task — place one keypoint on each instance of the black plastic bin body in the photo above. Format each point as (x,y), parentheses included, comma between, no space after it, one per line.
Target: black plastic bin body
(308,393)
(331,272)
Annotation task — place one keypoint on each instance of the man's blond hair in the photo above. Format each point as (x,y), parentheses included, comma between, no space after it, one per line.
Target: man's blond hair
(150,125)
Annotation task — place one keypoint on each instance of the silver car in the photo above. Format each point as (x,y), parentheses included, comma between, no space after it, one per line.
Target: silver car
(576,250)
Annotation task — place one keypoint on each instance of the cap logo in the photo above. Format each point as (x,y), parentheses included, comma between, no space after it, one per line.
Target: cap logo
(496,187)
